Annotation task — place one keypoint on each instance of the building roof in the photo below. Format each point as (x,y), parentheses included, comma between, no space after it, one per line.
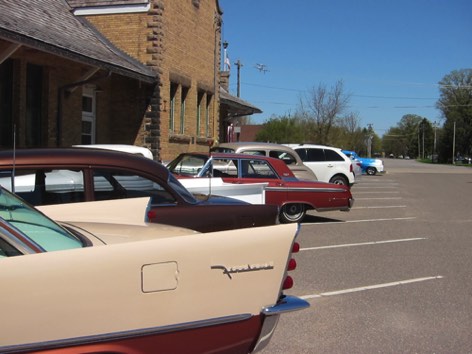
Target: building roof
(236,106)
(50,26)
(92,3)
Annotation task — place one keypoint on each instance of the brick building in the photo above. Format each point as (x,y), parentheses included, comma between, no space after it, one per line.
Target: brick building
(63,83)
(142,72)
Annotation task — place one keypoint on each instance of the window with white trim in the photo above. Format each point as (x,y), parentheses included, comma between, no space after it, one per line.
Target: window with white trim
(88,115)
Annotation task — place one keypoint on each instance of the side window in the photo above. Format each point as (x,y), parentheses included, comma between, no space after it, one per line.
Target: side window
(315,155)
(112,184)
(261,169)
(286,157)
(302,153)
(332,155)
(254,152)
(225,168)
(45,186)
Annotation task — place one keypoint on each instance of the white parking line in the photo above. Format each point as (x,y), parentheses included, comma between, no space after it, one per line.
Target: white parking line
(377,192)
(370,287)
(380,187)
(386,219)
(362,244)
(354,221)
(380,207)
(380,198)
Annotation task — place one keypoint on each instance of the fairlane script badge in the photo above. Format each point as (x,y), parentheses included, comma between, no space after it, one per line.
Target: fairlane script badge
(243,268)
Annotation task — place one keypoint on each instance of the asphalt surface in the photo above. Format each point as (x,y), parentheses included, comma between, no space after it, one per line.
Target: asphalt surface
(393,275)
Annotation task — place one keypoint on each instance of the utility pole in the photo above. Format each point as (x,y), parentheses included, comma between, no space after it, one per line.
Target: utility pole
(369,140)
(422,126)
(454,145)
(239,65)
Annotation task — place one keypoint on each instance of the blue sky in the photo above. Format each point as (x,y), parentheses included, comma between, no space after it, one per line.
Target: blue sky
(390,54)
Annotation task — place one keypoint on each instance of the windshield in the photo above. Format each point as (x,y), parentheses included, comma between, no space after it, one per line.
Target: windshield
(187,165)
(34,225)
(179,188)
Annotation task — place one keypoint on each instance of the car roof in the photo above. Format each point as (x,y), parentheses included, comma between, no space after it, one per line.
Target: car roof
(231,156)
(76,156)
(221,155)
(256,144)
(132,149)
(293,146)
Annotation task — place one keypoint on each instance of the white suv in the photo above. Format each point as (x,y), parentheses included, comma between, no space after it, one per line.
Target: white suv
(328,163)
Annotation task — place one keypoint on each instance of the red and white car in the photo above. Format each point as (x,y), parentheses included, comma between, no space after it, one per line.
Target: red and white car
(293,196)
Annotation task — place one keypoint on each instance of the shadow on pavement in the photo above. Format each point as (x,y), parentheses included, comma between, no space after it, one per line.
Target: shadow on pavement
(317,219)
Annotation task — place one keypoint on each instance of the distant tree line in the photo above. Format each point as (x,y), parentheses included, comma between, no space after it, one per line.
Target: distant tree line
(321,117)
(418,137)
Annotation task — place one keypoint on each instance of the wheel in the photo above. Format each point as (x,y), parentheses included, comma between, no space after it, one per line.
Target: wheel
(371,171)
(292,213)
(339,180)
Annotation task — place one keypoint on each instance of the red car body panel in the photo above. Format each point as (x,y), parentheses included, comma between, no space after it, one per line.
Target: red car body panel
(233,337)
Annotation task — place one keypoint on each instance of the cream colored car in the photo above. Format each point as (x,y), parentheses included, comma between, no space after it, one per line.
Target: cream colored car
(281,152)
(109,282)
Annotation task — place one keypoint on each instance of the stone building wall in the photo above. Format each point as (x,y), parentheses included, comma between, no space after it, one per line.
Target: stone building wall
(180,40)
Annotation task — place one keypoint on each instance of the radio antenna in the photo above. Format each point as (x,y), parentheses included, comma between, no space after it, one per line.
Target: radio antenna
(14,160)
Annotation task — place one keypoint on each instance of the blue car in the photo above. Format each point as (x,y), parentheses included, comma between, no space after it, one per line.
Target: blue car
(369,166)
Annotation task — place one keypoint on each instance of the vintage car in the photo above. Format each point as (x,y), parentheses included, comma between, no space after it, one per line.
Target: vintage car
(293,196)
(277,151)
(369,166)
(71,175)
(134,287)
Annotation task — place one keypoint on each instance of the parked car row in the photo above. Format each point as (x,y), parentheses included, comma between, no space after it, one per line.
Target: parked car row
(149,222)
(71,175)
(293,196)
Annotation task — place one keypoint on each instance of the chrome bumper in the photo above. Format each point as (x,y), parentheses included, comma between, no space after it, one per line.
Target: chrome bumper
(271,316)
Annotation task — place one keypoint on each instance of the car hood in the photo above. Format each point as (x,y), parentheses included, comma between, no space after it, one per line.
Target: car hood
(108,233)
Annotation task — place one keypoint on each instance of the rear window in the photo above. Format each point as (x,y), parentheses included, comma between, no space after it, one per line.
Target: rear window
(223,150)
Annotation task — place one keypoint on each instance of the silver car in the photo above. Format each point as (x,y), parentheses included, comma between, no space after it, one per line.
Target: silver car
(281,152)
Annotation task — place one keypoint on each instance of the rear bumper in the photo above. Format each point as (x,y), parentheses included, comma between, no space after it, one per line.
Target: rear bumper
(271,316)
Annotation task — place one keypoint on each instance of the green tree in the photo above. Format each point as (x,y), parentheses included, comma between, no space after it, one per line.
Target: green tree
(455,103)
(409,136)
(281,130)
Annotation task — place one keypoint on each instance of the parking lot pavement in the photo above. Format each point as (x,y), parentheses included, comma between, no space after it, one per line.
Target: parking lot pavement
(393,274)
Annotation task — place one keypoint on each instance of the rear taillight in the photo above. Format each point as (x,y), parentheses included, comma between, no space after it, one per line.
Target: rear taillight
(350,168)
(288,282)
(151,214)
(291,265)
